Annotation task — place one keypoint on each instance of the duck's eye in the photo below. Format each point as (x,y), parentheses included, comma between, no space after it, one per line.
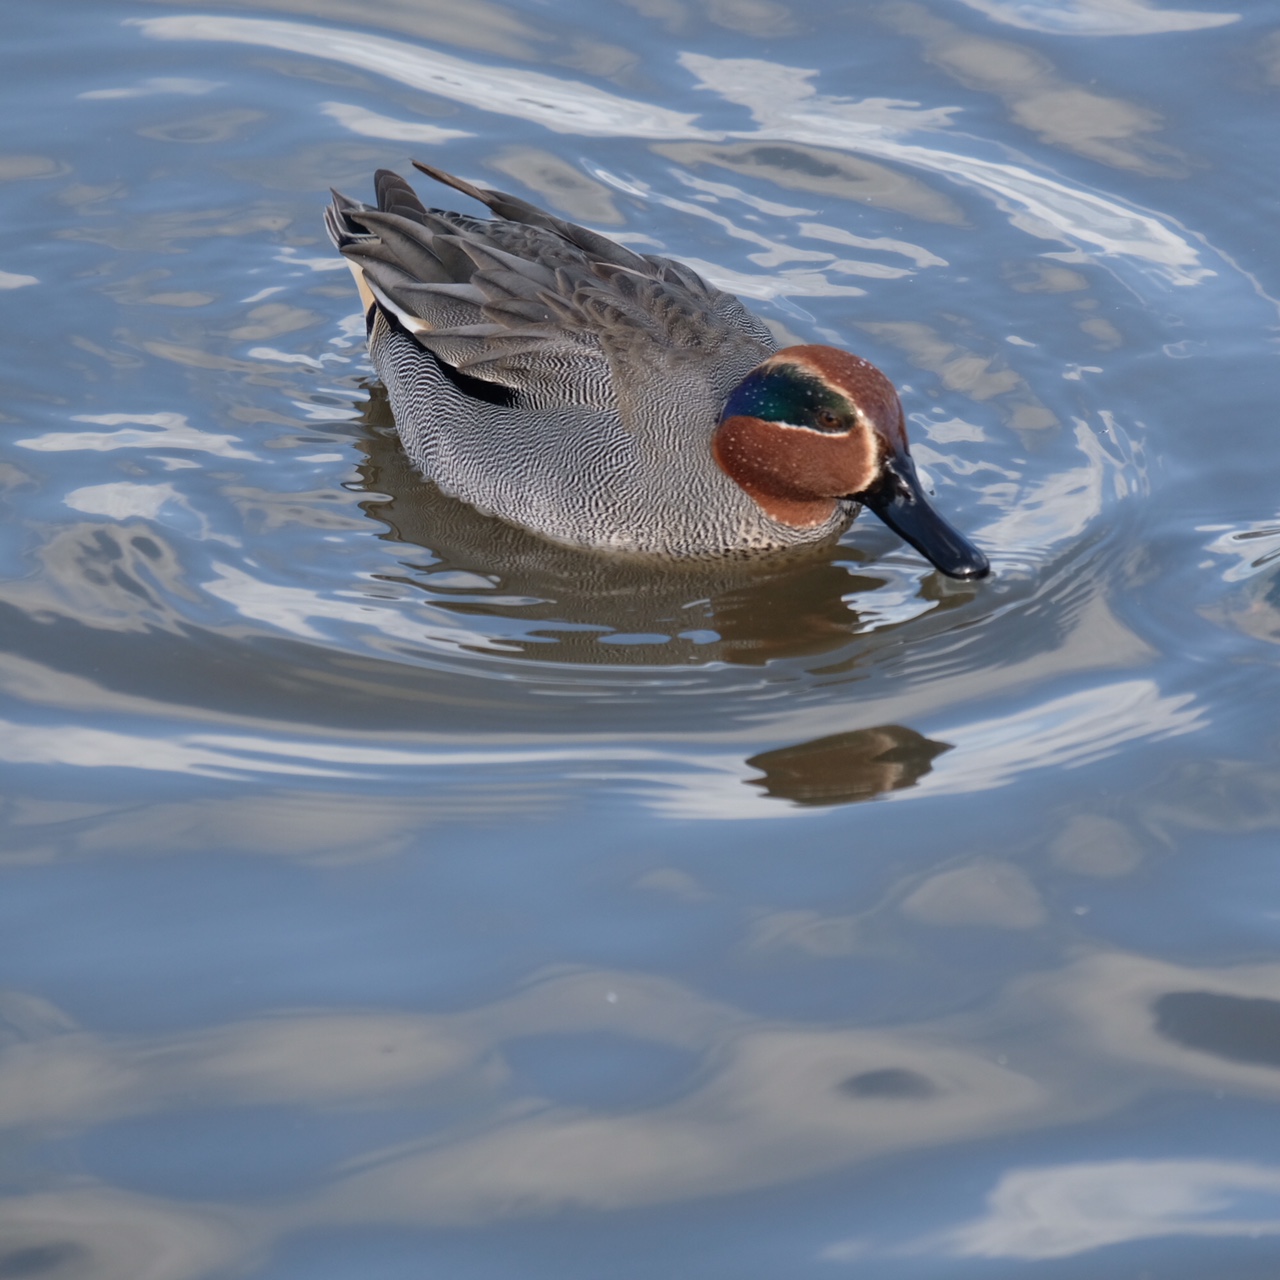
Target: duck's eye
(828,420)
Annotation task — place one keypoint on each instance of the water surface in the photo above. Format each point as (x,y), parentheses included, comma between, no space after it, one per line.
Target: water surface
(389,893)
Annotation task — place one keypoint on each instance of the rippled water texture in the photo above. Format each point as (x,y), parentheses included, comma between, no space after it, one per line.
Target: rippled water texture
(386,893)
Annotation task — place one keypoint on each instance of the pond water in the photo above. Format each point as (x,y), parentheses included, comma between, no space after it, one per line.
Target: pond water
(385,892)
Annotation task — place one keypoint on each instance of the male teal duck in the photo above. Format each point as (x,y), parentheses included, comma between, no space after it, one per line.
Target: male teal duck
(603,398)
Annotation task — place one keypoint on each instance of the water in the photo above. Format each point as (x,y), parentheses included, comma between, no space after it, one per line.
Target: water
(387,893)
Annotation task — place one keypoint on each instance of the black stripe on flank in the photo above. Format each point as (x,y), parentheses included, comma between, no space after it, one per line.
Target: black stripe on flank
(479,388)
(476,388)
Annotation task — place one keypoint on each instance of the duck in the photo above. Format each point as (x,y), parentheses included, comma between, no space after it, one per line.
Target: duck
(606,399)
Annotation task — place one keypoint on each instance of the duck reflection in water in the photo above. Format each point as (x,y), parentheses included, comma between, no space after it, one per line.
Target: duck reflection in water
(847,767)
(608,609)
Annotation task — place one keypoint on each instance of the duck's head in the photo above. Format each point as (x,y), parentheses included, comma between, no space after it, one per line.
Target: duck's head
(813,425)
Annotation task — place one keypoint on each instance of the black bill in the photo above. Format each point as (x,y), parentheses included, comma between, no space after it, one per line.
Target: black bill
(899,501)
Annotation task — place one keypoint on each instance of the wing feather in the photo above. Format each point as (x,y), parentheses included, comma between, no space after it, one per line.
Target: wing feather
(556,313)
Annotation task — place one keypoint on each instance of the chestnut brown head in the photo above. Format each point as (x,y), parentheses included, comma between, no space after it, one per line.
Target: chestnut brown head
(813,425)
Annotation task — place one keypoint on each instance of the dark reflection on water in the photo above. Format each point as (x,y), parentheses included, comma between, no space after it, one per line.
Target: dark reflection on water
(41,1260)
(847,767)
(889,1082)
(1234,1028)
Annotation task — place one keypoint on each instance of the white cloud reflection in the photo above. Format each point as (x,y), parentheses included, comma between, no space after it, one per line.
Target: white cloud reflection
(161,431)
(787,107)
(153,85)
(1255,547)
(1057,509)
(316,615)
(106,1234)
(369,124)
(246,755)
(122,499)
(1097,17)
(1061,733)
(675,781)
(781,99)
(763,1104)
(1068,1209)
(564,106)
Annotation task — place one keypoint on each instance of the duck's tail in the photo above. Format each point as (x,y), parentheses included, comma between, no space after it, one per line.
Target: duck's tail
(395,195)
(337,222)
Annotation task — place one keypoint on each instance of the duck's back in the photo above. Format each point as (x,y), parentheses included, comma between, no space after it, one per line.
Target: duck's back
(554,378)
